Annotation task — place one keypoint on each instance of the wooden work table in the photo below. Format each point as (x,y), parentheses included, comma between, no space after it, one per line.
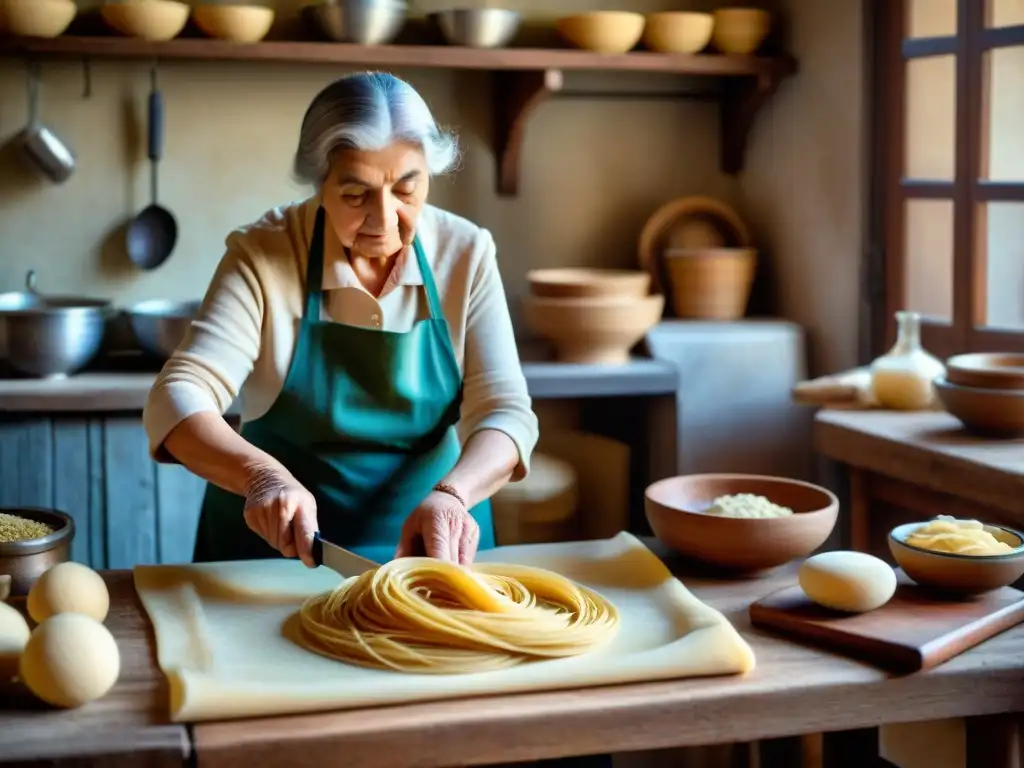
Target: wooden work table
(912,466)
(794,690)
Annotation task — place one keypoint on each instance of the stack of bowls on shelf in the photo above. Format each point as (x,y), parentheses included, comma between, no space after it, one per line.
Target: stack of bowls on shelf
(985,391)
(591,315)
(734,31)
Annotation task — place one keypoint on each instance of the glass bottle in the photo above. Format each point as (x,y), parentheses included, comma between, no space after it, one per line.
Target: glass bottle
(902,378)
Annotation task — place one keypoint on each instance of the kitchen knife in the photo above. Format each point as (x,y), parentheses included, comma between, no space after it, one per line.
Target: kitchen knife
(338,558)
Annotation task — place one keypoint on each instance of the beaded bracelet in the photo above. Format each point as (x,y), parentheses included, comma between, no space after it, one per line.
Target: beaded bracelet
(450,490)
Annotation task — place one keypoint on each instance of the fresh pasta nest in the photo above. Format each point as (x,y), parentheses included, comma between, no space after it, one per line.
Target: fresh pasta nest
(417,614)
(957,537)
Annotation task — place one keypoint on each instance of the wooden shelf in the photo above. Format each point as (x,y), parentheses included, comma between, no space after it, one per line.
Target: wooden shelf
(522,78)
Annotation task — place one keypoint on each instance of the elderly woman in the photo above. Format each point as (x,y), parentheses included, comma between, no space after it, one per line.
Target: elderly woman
(359,327)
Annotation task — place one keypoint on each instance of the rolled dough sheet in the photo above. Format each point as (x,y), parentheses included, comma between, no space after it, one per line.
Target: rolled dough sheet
(220,639)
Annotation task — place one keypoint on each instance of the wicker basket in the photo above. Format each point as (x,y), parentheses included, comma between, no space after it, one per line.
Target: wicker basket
(710,284)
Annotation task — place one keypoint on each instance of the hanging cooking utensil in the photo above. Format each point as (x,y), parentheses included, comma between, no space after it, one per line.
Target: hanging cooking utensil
(152,234)
(42,146)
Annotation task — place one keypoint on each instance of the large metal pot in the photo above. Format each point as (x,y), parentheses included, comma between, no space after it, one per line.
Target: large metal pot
(159,326)
(25,561)
(50,336)
(366,22)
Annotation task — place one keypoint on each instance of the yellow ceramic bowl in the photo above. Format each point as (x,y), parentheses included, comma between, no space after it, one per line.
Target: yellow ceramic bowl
(36,18)
(678,31)
(740,31)
(964,574)
(154,20)
(603,31)
(236,23)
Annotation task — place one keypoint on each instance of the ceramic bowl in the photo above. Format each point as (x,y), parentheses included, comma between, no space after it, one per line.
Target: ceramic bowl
(603,31)
(996,412)
(577,283)
(36,18)
(153,20)
(965,574)
(740,31)
(236,23)
(598,330)
(678,31)
(675,509)
(1002,370)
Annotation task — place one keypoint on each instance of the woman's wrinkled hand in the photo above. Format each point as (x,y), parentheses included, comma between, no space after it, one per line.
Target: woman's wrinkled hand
(282,512)
(443,527)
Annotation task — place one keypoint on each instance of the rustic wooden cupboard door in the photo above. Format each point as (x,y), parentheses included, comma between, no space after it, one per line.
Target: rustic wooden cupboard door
(949,172)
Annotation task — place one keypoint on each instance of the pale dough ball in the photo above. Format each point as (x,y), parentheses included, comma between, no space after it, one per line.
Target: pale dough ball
(14,633)
(854,582)
(70,660)
(68,588)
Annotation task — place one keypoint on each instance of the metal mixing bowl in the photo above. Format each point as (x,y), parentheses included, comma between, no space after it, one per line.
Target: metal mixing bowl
(477,27)
(159,326)
(51,336)
(366,22)
(25,561)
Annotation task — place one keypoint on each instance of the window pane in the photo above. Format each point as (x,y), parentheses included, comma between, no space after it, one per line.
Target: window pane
(1003,132)
(928,253)
(1001,235)
(1002,13)
(931,18)
(930,131)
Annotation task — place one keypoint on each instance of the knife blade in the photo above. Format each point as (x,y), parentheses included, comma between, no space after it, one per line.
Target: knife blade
(339,559)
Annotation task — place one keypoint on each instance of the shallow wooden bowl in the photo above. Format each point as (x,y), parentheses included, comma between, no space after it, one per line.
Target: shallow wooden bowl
(678,31)
(740,31)
(236,23)
(153,20)
(576,283)
(996,412)
(603,31)
(675,509)
(1000,370)
(593,330)
(36,18)
(963,574)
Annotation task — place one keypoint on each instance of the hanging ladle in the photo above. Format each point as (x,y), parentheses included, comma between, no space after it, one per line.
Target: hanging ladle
(152,234)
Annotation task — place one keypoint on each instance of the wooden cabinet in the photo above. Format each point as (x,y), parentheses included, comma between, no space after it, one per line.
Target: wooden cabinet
(96,467)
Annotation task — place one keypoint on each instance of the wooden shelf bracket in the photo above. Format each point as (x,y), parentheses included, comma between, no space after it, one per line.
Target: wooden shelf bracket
(516,94)
(742,99)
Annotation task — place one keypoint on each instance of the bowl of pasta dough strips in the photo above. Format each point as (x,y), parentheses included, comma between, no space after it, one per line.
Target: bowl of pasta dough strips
(740,522)
(963,556)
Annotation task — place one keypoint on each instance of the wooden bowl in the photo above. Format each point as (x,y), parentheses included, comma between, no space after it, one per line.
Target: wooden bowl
(740,31)
(26,560)
(236,23)
(996,412)
(675,506)
(688,222)
(1000,370)
(678,31)
(593,330)
(153,20)
(36,18)
(603,31)
(576,283)
(964,574)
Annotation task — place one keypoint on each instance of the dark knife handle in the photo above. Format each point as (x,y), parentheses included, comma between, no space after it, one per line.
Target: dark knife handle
(318,549)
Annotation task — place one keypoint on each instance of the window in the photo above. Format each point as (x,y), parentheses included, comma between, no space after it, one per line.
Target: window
(948,189)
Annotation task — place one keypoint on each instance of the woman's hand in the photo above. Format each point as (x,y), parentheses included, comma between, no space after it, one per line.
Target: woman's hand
(445,527)
(282,512)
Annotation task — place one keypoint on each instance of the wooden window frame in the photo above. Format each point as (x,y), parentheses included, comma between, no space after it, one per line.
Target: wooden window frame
(889,50)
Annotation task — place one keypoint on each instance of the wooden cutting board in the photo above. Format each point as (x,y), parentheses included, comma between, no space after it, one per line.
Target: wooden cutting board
(915,630)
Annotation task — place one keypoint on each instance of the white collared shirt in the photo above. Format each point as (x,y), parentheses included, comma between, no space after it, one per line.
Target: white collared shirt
(241,342)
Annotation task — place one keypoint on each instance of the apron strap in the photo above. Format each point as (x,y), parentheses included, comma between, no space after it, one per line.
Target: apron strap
(433,300)
(315,270)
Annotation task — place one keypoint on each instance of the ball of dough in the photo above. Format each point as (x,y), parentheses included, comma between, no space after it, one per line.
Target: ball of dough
(853,582)
(68,588)
(70,660)
(14,634)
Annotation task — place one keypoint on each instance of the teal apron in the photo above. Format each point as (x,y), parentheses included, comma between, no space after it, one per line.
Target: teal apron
(365,421)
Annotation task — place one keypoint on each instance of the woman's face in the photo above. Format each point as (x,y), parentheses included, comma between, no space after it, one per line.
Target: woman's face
(373,199)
